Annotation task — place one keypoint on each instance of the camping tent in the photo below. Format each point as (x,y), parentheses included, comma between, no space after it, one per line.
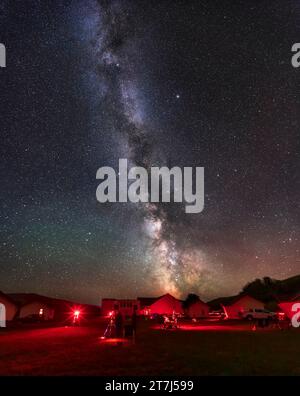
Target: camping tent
(197,309)
(240,304)
(165,304)
(11,307)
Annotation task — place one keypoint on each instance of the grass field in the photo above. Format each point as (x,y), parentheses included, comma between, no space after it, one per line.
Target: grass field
(205,349)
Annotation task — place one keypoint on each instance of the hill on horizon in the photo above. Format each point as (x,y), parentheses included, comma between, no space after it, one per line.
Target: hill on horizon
(268,290)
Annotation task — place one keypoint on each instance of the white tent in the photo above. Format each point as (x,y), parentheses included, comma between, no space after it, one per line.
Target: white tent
(10,307)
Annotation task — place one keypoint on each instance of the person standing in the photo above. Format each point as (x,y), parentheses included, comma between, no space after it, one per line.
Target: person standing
(119,325)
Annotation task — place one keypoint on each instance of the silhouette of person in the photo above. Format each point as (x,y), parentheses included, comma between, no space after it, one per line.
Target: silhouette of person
(133,321)
(119,325)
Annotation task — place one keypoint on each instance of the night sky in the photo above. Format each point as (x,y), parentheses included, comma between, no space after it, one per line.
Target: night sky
(175,83)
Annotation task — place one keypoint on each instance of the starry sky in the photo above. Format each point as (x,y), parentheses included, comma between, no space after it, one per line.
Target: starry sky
(161,83)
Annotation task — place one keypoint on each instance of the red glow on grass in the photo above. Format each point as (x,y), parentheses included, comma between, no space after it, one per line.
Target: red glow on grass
(198,327)
(113,341)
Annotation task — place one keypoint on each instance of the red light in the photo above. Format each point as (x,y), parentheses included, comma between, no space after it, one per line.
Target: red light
(76,314)
(281,315)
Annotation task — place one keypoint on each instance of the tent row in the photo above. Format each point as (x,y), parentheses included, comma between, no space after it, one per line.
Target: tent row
(23,306)
(232,307)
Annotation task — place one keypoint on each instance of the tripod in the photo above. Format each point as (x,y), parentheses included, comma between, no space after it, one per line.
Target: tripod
(110,329)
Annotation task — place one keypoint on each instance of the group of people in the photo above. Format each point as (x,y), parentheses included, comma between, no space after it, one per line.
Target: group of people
(274,322)
(121,326)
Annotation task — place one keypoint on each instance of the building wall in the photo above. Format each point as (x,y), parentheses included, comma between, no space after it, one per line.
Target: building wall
(126,307)
(244,304)
(166,305)
(10,308)
(34,309)
(198,310)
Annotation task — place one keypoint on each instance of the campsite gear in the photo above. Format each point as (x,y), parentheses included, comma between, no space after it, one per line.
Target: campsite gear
(110,330)
(76,315)
(170,323)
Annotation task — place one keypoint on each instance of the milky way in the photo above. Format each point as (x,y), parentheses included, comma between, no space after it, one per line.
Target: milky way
(161,84)
(172,267)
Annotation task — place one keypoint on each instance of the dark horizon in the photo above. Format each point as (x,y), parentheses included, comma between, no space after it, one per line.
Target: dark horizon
(116,296)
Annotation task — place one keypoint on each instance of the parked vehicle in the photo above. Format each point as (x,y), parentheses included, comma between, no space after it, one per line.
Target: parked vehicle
(258,313)
(216,315)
